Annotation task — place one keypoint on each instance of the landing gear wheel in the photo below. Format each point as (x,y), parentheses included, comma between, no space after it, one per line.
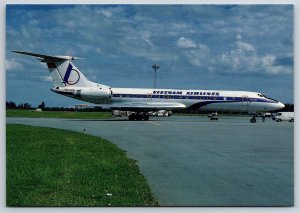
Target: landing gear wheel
(146,117)
(253,120)
(131,117)
(139,117)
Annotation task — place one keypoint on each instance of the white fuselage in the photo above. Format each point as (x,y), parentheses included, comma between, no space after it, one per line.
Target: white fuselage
(168,99)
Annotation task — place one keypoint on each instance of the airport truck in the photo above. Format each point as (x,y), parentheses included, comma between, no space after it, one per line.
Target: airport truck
(284,116)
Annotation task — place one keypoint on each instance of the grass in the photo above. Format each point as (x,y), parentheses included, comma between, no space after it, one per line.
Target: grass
(57,114)
(51,167)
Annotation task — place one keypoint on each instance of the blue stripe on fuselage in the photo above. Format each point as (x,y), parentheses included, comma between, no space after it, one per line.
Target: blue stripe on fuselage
(206,98)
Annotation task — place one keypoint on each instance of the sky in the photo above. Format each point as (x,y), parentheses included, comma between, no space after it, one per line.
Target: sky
(218,47)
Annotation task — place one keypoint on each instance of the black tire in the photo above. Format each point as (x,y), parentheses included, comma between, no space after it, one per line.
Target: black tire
(146,117)
(139,117)
(253,120)
(292,120)
(131,117)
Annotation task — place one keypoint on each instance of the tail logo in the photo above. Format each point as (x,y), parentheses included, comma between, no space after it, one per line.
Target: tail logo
(72,76)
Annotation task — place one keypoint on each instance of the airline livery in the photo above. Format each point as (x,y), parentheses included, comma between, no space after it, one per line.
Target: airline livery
(69,81)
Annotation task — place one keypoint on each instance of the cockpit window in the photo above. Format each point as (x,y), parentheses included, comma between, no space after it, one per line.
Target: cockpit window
(263,96)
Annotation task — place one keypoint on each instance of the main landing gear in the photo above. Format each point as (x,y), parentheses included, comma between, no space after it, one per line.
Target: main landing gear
(138,116)
(262,115)
(253,119)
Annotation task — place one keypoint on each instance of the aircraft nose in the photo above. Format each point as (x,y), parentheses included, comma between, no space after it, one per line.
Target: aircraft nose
(280,105)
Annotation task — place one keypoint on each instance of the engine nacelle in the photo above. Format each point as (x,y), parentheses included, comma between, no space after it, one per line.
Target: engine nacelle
(95,95)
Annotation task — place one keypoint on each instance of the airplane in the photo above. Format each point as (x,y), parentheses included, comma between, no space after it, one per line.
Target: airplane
(70,82)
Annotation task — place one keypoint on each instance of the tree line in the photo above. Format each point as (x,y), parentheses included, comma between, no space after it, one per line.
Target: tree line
(43,107)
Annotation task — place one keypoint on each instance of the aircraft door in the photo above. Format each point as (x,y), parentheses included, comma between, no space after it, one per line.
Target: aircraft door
(149,96)
(245,103)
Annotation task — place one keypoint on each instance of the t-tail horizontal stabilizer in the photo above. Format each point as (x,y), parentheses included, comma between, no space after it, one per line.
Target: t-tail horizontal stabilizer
(47,58)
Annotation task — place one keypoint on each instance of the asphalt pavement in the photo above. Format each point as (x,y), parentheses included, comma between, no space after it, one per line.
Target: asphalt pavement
(191,161)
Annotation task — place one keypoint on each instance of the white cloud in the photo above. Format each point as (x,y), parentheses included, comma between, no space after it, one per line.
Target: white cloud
(12,64)
(238,37)
(196,54)
(107,13)
(268,60)
(243,46)
(46,78)
(268,64)
(242,59)
(186,43)
(200,57)
(245,60)
(146,37)
(274,70)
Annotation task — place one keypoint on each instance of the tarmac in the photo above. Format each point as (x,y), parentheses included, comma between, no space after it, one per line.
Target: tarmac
(192,161)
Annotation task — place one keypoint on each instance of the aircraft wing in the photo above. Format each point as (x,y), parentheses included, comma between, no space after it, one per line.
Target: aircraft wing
(146,107)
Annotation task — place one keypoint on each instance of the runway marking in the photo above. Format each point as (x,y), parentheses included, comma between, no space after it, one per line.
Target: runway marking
(153,123)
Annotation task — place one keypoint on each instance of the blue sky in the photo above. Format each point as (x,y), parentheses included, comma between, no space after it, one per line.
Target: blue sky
(230,47)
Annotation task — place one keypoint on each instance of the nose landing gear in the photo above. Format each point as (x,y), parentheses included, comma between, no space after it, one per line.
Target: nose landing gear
(262,115)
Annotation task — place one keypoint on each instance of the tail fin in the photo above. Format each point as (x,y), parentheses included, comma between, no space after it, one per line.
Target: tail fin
(63,72)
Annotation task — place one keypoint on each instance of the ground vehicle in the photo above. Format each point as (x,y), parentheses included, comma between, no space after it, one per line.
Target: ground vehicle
(213,116)
(284,116)
(164,113)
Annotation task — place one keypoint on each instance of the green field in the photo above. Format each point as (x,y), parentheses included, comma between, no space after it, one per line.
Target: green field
(57,114)
(51,167)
